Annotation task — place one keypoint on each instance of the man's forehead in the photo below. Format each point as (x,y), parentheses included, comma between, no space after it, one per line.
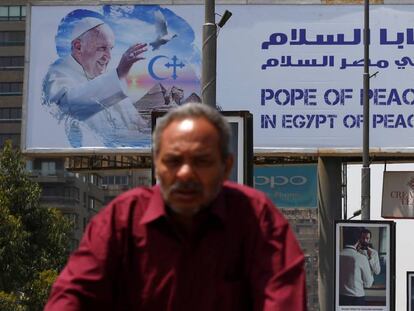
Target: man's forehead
(190,123)
(102,33)
(186,125)
(104,28)
(189,130)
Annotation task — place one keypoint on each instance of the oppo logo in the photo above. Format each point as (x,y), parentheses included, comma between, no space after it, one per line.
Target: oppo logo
(274,181)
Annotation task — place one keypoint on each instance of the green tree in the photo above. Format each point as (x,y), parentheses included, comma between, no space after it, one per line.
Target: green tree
(10,302)
(38,289)
(34,240)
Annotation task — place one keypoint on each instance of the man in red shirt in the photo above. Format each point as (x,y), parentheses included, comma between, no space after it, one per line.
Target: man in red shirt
(193,242)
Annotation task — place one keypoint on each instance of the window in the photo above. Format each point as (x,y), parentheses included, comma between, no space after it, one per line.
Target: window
(99,180)
(48,191)
(11,62)
(93,179)
(10,113)
(29,166)
(12,12)
(14,138)
(121,180)
(108,180)
(11,38)
(71,193)
(11,88)
(48,168)
(92,204)
(115,180)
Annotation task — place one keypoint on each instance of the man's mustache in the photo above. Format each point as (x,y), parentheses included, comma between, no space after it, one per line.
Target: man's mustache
(186,186)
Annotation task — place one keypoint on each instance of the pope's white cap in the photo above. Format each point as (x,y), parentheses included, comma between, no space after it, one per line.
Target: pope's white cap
(84,25)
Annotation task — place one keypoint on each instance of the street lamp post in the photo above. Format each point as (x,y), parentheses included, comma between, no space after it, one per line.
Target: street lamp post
(366,172)
(209,52)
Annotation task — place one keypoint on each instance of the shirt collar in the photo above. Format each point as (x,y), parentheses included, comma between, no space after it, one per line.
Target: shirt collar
(350,246)
(73,63)
(156,207)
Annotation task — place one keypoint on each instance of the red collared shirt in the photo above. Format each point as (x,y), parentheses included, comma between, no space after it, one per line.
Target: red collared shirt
(242,255)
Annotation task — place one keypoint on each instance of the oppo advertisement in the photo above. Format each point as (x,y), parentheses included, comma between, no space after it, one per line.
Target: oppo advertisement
(288,186)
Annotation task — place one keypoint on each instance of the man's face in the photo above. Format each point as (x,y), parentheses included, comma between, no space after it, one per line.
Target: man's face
(189,165)
(95,50)
(365,238)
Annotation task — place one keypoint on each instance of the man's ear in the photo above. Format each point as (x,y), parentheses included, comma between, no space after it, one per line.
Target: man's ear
(156,176)
(76,44)
(228,164)
(155,163)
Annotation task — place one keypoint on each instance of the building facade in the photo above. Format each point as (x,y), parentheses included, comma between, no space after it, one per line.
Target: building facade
(78,196)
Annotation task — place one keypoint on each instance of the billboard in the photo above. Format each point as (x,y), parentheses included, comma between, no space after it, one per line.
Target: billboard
(300,78)
(96,73)
(398,195)
(364,266)
(288,186)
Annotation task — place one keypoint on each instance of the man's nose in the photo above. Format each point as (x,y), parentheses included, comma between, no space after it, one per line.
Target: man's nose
(185,172)
(107,54)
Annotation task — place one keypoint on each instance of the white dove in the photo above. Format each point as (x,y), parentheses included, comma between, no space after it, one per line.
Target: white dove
(162,32)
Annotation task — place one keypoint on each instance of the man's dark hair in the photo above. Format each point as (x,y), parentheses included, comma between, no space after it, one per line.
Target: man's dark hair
(365,230)
(194,110)
(351,235)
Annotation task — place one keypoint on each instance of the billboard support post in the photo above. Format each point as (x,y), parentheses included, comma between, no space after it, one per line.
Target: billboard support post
(365,172)
(209,52)
(329,209)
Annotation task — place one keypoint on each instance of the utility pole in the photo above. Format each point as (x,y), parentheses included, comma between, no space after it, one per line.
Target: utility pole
(209,51)
(366,172)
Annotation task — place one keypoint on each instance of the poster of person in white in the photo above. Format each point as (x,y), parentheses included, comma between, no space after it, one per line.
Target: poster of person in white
(97,72)
(85,96)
